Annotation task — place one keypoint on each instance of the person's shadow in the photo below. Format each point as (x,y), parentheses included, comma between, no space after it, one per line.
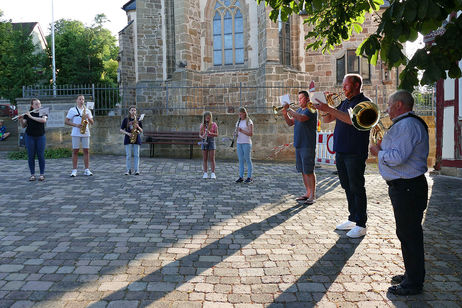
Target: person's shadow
(205,258)
(315,282)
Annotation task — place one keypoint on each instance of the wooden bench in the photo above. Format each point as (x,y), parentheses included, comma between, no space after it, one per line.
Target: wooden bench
(188,138)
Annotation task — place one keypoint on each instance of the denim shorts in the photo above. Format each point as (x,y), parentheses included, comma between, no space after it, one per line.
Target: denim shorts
(305,158)
(210,145)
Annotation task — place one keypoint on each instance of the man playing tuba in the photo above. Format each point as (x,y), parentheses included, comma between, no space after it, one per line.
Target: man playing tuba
(351,147)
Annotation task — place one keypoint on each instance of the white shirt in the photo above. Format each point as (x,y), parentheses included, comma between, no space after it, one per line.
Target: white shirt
(76,118)
(241,137)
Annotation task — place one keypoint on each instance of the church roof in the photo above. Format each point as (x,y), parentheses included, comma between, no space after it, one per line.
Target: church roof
(129,6)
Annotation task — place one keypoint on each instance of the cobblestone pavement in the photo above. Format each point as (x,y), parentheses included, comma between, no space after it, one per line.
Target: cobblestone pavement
(168,238)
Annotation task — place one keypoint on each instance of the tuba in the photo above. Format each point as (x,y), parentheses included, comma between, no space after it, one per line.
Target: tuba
(365,115)
(84,123)
(135,131)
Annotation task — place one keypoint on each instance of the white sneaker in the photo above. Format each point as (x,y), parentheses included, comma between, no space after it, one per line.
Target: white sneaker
(87,172)
(213,176)
(205,176)
(347,225)
(74,173)
(356,232)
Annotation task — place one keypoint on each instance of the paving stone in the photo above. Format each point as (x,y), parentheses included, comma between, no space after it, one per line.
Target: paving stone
(168,238)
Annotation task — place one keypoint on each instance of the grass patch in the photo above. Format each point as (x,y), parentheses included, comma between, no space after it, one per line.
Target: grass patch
(49,154)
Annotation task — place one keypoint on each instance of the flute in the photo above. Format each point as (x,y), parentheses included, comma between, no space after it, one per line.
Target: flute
(23,114)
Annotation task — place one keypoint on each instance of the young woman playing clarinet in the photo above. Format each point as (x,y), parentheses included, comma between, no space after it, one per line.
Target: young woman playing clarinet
(244,130)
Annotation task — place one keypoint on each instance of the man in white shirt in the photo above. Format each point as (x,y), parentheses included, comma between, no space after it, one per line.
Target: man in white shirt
(74,118)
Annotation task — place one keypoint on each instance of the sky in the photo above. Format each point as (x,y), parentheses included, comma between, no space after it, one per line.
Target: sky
(82,10)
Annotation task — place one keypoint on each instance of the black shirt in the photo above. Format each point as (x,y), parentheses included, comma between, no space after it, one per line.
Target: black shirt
(34,128)
(127,125)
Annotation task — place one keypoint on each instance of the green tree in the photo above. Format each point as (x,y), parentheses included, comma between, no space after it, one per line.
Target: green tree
(334,21)
(18,63)
(82,52)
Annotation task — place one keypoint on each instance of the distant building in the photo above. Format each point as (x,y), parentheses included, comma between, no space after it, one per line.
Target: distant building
(35,31)
(219,43)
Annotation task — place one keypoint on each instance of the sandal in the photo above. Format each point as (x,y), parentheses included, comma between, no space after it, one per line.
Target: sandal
(32,178)
(301,198)
(41,178)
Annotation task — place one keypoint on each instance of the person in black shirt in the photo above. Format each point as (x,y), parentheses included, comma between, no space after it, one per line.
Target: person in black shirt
(351,147)
(35,138)
(127,128)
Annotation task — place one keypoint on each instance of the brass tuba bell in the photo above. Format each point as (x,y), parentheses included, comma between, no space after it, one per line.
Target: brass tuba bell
(364,115)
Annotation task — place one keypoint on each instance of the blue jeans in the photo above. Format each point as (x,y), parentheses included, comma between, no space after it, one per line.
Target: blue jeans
(243,153)
(351,169)
(36,145)
(136,156)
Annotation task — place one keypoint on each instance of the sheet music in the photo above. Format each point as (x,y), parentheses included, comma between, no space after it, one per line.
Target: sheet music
(284,99)
(315,96)
(44,111)
(141,117)
(91,105)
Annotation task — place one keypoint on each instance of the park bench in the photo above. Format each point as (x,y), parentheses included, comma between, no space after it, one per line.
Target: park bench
(187,138)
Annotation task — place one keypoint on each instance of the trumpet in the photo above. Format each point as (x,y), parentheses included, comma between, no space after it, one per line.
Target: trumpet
(276,109)
(377,132)
(333,100)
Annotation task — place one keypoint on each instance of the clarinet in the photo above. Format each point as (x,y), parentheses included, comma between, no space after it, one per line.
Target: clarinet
(235,132)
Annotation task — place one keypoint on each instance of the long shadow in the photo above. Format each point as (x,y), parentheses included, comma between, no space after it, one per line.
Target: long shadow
(214,252)
(312,285)
(442,227)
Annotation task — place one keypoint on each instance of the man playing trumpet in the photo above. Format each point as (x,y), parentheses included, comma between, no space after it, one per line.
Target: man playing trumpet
(351,147)
(304,122)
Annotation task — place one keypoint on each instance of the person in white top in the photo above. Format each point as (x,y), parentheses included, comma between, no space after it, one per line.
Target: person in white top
(244,130)
(74,118)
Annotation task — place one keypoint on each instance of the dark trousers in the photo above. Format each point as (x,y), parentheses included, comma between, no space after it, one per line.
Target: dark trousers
(351,169)
(36,146)
(409,199)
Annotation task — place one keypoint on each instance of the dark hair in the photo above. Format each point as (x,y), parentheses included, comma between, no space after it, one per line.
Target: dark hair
(32,102)
(304,93)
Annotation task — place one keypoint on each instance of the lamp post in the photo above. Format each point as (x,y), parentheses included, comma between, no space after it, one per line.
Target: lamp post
(53,47)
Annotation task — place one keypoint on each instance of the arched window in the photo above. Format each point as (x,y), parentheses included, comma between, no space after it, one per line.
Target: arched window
(228,33)
(284,41)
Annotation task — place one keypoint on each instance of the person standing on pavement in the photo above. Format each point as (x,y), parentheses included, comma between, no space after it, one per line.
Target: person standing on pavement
(131,125)
(35,138)
(304,122)
(402,158)
(208,130)
(74,118)
(351,147)
(244,128)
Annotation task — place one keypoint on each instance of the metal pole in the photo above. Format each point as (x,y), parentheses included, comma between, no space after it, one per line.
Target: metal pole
(53,47)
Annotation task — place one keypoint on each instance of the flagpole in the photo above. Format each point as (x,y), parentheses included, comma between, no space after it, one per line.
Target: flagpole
(53,47)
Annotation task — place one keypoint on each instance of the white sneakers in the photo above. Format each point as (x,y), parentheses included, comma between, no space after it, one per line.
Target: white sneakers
(206,176)
(87,172)
(355,231)
(346,225)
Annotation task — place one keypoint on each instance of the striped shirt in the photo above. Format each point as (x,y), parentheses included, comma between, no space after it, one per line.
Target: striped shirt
(404,150)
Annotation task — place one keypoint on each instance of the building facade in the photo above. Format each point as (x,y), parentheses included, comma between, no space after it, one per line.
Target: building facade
(219,54)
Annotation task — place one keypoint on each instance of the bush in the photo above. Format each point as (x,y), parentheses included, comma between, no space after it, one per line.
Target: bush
(49,154)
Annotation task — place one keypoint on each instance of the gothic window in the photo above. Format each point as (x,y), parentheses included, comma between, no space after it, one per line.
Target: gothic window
(284,41)
(228,33)
(170,13)
(350,63)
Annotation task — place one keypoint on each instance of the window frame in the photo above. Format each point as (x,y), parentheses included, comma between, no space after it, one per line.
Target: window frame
(221,9)
(346,66)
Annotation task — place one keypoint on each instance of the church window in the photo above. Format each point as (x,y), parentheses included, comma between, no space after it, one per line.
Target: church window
(350,63)
(228,33)
(284,41)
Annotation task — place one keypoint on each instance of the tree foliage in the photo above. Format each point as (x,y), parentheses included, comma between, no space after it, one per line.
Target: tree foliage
(84,54)
(18,64)
(333,21)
